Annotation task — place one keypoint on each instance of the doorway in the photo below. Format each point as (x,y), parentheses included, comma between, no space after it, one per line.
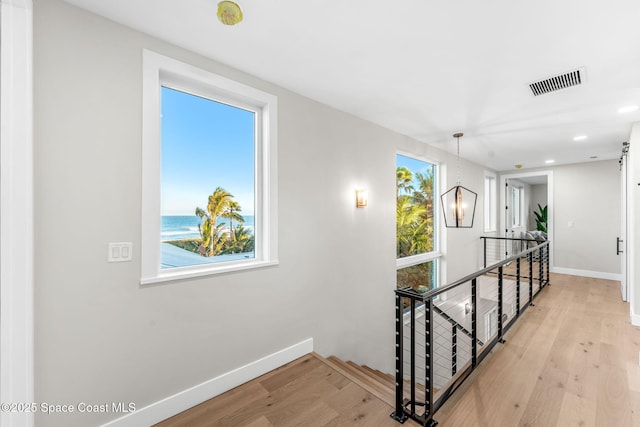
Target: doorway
(521,193)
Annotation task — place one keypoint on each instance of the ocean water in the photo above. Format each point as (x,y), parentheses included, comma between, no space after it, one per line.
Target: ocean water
(177,227)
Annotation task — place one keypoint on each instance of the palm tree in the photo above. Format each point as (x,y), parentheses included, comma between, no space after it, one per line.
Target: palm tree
(232,212)
(412,230)
(404,178)
(245,241)
(424,194)
(210,232)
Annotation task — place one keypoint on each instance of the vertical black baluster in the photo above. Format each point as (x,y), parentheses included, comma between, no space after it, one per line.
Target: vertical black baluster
(413,357)
(474,332)
(518,287)
(530,278)
(541,256)
(399,414)
(454,349)
(548,260)
(500,300)
(485,251)
(428,383)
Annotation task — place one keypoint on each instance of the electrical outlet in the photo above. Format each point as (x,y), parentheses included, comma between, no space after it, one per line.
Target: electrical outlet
(120,251)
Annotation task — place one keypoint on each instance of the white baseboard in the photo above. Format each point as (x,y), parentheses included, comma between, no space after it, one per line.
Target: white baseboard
(635,318)
(186,399)
(587,273)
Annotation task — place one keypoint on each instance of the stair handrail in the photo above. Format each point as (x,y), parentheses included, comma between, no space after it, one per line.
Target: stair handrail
(406,408)
(455,323)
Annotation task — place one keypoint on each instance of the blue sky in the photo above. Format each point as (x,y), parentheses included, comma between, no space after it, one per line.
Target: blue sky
(205,144)
(413,165)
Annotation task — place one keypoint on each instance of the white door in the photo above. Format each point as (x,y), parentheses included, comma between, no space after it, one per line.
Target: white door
(508,223)
(621,242)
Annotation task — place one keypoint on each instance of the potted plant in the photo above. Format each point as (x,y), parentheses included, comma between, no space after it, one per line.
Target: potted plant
(541,218)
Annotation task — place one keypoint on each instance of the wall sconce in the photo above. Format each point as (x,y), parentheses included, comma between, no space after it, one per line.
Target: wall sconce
(467,308)
(361,198)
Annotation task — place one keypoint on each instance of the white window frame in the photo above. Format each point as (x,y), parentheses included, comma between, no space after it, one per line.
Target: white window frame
(490,202)
(517,216)
(159,70)
(434,255)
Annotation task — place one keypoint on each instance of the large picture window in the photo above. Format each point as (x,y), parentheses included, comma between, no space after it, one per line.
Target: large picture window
(209,184)
(416,223)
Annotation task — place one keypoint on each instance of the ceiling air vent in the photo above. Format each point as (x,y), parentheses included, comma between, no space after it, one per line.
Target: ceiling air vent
(562,81)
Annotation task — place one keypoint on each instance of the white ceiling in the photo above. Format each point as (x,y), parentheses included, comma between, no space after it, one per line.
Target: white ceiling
(428,68)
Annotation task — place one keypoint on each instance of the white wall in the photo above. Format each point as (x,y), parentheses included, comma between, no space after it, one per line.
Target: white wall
(100,337)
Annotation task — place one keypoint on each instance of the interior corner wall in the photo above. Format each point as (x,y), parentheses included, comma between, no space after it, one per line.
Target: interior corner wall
(99,335)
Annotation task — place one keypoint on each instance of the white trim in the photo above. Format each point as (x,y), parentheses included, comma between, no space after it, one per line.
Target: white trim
(586,273)
(408,261)
(16,209)
(188,398)
(157,70)
(492,205)
(438,233)
(635,318)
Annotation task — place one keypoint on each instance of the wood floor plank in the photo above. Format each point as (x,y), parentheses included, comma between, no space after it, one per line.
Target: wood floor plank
(357,406)
(633,376)
(261,422)
(225,404)
(635,407)
(576,411)
(285,376)
(543,407)
(613,405)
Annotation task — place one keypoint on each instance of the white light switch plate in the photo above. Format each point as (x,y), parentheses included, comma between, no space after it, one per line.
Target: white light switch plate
(120,251)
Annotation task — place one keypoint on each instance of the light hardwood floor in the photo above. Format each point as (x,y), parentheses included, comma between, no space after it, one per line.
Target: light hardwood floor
(305,392)
(571,360)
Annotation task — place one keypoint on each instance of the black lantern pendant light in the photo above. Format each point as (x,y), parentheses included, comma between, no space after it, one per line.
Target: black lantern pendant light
(459,203)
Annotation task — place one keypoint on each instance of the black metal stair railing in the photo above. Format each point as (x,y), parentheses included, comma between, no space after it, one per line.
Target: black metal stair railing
(444,334)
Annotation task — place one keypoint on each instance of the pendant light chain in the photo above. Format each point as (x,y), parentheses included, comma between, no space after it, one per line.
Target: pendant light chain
(457,136)
(458,162)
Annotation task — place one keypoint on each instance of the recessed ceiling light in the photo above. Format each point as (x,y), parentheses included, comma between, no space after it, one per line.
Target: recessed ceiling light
(580,138)
(628,109)
(549,161)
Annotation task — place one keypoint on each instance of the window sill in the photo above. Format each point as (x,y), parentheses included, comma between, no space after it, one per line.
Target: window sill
(170,276)
(417,259)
